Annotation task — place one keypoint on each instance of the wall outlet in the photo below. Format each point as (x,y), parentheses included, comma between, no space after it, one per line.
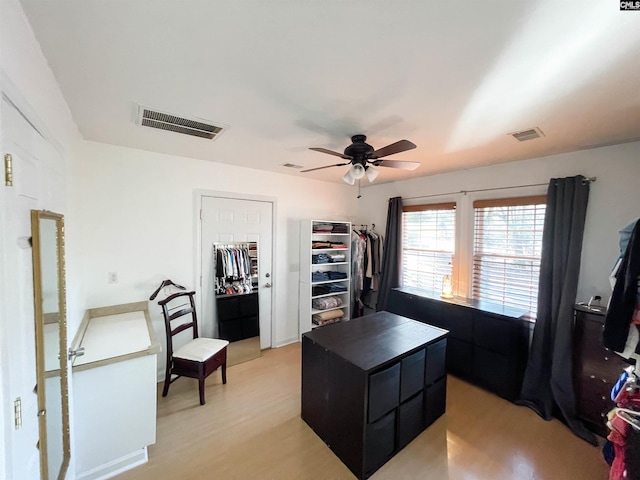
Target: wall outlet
(113,277)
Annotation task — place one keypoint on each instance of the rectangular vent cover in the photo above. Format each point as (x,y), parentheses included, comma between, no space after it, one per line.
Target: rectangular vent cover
(174,123)
(291,165)
(528,134)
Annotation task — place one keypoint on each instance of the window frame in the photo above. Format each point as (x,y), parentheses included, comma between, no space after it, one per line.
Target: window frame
(440,205)
(522,200)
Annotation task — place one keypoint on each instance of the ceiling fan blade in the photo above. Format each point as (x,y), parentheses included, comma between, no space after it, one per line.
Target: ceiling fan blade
(331,152)
(397,164)
(326,166)
(399,146)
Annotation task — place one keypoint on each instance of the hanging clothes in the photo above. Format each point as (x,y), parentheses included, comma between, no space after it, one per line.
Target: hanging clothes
(366,247)
(624,425)
(232,269)
(625,300)
(358,246)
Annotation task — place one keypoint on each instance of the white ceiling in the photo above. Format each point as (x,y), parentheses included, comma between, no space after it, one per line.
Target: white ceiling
(454,77)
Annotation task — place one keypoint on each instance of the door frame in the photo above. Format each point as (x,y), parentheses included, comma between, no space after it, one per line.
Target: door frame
(198,194)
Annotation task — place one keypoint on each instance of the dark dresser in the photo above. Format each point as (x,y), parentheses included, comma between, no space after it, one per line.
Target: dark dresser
(371,385)
(238,316)
(595,369)
(488,344)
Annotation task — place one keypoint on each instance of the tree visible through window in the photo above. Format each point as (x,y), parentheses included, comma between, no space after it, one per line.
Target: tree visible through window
(507,250)
(428,245)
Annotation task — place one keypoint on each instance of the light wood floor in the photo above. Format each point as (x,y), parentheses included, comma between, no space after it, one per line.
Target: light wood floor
(250,428)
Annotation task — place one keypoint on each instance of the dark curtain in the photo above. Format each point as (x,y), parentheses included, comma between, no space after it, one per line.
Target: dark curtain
(548,386)
(390,275)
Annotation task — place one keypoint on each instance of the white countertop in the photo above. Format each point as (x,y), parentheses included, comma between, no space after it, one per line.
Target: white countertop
(111,336)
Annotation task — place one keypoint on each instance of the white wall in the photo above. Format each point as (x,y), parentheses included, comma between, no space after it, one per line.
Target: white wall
(25,77)
(137,212)
(614,201)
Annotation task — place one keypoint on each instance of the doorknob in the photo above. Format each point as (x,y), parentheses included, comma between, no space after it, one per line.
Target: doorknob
(267,285)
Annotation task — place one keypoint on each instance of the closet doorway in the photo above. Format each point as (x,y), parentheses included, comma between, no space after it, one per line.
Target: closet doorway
(231,220)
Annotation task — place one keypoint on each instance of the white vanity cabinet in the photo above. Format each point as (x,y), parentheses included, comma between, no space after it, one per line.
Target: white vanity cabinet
(114,390)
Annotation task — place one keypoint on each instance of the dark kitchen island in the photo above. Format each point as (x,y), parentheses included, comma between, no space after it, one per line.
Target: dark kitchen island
(371,385)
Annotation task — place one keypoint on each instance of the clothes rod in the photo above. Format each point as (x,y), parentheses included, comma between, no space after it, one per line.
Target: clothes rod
(586,179)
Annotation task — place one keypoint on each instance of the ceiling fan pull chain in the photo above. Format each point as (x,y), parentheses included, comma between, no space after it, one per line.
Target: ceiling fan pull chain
(359,189)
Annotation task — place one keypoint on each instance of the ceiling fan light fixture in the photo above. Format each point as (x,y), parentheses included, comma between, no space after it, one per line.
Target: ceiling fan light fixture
(372,174)
(348,178)
(357,171)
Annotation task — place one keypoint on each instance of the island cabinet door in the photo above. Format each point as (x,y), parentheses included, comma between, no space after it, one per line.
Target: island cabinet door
(411,419)
(436,365)
(412,374)
(435,401)
(384,392)
(379,442)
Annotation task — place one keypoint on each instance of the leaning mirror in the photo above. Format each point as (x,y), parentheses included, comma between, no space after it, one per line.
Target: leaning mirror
(47,230)
(236,287)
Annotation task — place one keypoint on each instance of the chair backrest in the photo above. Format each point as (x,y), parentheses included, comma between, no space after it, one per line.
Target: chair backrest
(173,308)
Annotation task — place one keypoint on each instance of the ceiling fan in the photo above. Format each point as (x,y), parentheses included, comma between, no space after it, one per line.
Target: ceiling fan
(360,154)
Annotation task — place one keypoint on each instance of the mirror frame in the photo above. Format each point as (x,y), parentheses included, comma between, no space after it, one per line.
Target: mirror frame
(36,217)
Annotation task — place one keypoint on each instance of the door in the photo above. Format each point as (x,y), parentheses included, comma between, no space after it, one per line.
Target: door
(236,220)
(30,153)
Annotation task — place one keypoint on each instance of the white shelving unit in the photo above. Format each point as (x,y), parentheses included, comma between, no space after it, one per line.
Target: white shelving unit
(308,235)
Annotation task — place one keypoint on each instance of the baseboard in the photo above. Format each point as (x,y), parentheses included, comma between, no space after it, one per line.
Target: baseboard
(284,343)
(115,467)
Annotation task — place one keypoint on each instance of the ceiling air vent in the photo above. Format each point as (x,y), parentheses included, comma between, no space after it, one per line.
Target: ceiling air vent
(291,165)
(529,134)
(148,117)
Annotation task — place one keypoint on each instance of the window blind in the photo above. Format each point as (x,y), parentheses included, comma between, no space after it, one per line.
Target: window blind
(428,245)
(507,250)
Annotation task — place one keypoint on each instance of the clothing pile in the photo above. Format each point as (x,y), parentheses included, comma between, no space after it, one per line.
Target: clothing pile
(330,228)
(326,303)
(326,244)
(320,258)
(330,288)
(624,423)
(327,276)
(325,318)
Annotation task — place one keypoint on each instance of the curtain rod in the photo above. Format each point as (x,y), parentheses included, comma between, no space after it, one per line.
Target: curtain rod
(586,179)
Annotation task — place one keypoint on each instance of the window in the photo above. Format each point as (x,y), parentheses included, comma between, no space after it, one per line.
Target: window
(507,249)
(428,245)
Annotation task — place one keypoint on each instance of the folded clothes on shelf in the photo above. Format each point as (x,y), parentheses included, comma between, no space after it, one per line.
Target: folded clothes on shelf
(340,228)
(326,302)
(337,257)
(320,290)
(336,287)
(323,228)
(334,275)
(329,315)
(321,258)
(326,244)
(320,276)
(322,323)
(325,318)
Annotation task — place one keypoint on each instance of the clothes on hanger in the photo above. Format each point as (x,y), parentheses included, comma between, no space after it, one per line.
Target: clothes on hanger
(623,314)
(232,269)
(366,255)
(624,425)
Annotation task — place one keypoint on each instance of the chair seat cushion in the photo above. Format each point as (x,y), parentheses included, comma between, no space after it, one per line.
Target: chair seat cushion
(199,349)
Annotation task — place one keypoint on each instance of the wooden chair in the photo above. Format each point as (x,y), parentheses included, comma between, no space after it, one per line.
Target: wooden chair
(199,357)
